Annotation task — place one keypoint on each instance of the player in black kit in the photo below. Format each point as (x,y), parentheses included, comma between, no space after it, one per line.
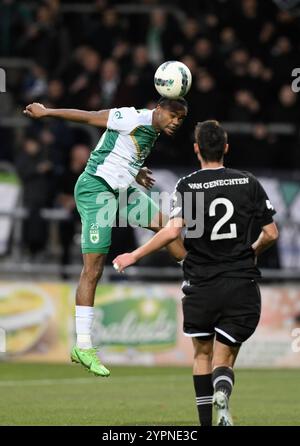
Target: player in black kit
(221,306)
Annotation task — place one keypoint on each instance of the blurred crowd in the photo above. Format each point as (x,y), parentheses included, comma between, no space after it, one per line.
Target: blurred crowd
(241,54)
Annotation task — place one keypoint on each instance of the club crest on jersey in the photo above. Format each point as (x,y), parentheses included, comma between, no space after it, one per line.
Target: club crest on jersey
(94,233)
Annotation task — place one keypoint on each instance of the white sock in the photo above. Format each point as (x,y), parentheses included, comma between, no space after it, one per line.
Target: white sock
(84,322)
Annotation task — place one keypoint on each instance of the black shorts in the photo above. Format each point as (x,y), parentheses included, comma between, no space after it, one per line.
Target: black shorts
(227,307)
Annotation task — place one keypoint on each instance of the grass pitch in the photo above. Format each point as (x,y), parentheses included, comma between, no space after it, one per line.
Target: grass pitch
(52,395)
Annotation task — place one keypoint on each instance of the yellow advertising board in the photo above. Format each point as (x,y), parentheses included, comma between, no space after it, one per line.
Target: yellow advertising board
(36,319)
(135,324)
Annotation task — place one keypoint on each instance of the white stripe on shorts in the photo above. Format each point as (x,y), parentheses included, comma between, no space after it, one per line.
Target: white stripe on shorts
(225,334)
(194,335)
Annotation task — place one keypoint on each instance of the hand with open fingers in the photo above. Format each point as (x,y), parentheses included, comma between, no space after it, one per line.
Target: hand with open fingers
(144,178)
(35,110)
(123,261)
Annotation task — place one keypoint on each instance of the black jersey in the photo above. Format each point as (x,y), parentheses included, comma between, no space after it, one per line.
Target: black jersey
(228,202)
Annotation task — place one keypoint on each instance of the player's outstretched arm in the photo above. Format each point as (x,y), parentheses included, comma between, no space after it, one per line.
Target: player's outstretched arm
(96,118)
(165,236)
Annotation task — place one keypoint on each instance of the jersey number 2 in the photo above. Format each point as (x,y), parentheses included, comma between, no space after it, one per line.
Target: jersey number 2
(215,235)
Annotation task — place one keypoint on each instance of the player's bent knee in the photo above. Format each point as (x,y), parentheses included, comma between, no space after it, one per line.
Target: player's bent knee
(203,348)
(224,354)
(201,357)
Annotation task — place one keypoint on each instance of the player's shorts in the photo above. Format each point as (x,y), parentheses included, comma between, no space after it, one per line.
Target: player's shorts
(101,208)
(228,308)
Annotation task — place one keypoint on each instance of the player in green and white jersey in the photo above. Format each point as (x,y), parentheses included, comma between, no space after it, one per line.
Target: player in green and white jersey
(113,167)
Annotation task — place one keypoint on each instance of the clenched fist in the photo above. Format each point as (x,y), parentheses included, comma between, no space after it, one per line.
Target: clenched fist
(35,110)
(123,261)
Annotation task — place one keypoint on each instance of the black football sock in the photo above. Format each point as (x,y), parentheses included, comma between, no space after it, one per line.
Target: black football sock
(223,379)
(204,392)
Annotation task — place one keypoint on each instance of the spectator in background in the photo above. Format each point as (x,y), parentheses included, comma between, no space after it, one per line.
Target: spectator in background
(105,30)
(55,93)
(109,83)
(154,36)
(191,63)
(249,23)
(34,85)
(122,55)
(185,38)
(67,228)
(15,18)
(141,76)
(46,40)
(264,146)
(287,24)
(210,25)
(208,96)
(86,77)
(237,66)
(286,109)
(284,59)
(245,108)
(56,138)
(258,79)
(228,41)
(205,55)
(53,147)
(266,38)
(102,93)
(34,169)
(159,36)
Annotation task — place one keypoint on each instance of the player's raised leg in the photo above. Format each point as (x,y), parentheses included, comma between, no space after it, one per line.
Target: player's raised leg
(202,377)
(223,380)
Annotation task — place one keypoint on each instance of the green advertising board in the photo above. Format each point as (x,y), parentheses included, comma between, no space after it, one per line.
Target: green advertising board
(135,316)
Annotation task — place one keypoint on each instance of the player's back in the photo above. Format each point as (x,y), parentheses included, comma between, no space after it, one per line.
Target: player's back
(232,200)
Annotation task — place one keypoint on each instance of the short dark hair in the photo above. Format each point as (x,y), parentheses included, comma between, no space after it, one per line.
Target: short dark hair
(212,139)
(173,104)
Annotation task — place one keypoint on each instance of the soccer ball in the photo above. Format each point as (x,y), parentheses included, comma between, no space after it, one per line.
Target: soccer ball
(172,79)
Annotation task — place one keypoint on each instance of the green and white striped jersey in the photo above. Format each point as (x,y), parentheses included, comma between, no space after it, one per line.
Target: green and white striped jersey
(122,149)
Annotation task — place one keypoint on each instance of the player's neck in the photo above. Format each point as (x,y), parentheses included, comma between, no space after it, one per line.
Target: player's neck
(211,165)
(155,120)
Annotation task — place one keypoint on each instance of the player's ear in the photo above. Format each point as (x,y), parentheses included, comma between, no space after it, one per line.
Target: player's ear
(196,148)
(226,149)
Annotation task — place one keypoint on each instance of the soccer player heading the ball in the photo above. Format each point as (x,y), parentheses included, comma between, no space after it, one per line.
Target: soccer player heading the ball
(221,306)
(111,170)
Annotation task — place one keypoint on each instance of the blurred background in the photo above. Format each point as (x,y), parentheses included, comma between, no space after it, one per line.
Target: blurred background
(101,54)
